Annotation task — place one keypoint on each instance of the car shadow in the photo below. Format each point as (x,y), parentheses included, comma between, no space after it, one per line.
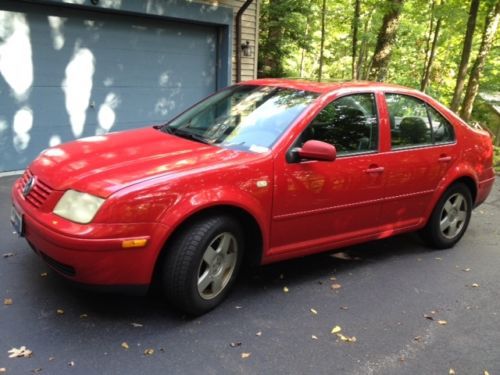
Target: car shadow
(250,284)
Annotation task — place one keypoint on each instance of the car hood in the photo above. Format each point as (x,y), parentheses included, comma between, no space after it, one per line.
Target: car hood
(102,165)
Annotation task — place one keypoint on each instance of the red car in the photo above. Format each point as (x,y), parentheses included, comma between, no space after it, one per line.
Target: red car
(260,172)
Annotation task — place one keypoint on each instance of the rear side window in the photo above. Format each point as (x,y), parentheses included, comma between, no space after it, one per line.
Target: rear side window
(414,123)
(441,128)
(349,123)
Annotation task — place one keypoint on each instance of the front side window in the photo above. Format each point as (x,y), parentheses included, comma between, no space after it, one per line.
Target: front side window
(348,123)
(409,121)
(248,118)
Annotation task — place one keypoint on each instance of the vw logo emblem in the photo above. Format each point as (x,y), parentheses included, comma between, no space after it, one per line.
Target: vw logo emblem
(29,185)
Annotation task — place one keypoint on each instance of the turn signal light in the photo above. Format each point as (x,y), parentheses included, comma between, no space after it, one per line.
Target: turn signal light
(139,242)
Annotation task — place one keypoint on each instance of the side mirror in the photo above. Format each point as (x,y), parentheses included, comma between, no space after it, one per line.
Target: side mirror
(317,150)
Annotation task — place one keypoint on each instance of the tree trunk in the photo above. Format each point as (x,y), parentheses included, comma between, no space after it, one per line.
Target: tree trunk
(303,51)
(464,61)
(322,45)
(427,74)
(490,29)
(363,51)
(385,41)
(355,24)
(428,40)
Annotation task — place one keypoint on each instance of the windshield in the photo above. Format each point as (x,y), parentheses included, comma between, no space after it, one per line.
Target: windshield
(249,118)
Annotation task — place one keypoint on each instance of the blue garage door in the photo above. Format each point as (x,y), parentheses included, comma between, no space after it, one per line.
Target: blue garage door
(67,74)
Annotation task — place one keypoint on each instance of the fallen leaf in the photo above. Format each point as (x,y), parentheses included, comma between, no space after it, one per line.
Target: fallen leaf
(7,301)
(442,322)
(314,337)
(486,372)
(336,286)
(3,370)
(125,345)
(137,325)
(51,358)
(22,352)
(344,308)
(285,289)
(475,285)
(451,372)
(149,351)
(71,363)
(314,311)
(245,355)
(235,344)
(8,255)
(466,269)
(417,338)
(346,338)
(258,333)
(60,312)
(44,274)
(336,329)
(83,316)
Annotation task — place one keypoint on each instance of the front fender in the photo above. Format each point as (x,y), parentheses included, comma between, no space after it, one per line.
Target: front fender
(196,202)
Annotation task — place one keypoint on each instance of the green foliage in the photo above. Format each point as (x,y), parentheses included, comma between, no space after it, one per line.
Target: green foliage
(496,160)
(298,47)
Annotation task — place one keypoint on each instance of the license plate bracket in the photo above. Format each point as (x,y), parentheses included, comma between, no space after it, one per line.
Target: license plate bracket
(16,219)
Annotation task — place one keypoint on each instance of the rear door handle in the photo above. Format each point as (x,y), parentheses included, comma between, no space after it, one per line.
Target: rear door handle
(374,169)
(444,158)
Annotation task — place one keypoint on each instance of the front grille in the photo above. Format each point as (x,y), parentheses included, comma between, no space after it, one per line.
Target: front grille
(39,193)
(58,266)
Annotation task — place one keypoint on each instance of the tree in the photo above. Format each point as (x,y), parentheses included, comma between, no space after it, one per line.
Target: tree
(322,43)
(430,60)
(464,61)
(355,26)
(283,24)
(385,41)
(490,28)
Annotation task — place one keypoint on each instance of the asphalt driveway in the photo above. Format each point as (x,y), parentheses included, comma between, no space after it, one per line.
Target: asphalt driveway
(411,310)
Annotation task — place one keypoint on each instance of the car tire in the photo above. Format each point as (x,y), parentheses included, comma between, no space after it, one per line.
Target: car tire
(449,219)
(201,264)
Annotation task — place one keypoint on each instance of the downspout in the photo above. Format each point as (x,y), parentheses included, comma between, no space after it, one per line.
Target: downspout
(239,15)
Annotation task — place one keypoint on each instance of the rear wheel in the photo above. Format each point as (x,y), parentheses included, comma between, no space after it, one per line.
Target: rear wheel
(450,218)
(201,264)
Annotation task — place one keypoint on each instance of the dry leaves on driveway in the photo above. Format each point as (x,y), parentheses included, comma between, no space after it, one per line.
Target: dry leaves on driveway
(21,352)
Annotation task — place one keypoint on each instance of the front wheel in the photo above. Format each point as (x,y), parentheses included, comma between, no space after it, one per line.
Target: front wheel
(201,264)
(450,218)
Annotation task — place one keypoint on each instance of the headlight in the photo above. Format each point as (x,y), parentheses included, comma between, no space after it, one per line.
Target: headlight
(78,207)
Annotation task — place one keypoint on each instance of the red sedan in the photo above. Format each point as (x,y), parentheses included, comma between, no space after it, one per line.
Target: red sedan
(259,172)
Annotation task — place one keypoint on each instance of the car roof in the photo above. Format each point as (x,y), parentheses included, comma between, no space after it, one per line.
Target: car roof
(325,87)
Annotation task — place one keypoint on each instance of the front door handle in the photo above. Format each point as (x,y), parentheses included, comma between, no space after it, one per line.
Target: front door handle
(374,169)
(444,158)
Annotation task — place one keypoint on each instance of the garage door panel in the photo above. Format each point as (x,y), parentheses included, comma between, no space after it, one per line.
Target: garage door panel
(113,71)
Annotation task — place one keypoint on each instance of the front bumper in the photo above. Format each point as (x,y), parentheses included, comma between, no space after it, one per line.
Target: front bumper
(91,254)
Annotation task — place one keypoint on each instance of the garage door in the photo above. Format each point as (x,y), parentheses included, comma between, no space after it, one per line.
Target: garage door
(67,73)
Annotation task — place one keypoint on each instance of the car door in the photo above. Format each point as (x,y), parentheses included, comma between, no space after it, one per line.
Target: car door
(423,148)
(320,203)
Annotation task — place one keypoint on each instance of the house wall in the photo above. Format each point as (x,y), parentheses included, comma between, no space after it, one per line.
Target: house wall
(250,33)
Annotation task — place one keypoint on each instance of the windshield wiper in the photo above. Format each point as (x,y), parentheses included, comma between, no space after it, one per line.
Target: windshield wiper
(188,135)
